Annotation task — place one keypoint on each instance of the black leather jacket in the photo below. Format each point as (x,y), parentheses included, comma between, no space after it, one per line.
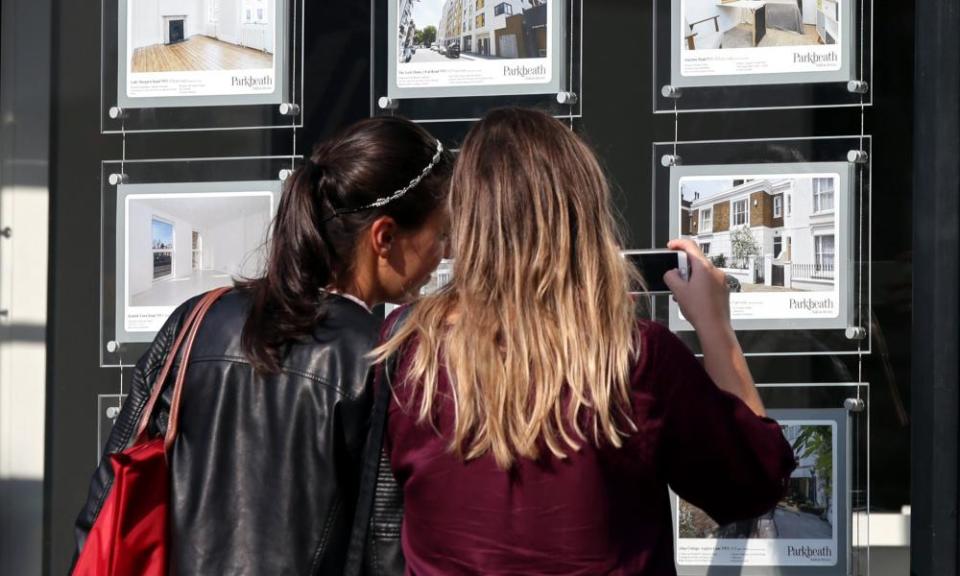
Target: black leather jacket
(265,469)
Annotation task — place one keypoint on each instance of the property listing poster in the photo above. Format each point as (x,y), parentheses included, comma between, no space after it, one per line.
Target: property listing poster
(737,37)
(177,245)
(474,43)
(800,531)
(776,238)
(182,48)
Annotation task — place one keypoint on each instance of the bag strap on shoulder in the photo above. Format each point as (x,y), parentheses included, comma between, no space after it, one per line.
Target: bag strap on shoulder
(184,341)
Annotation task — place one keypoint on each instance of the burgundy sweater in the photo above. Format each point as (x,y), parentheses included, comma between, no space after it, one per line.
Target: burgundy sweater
(601,510)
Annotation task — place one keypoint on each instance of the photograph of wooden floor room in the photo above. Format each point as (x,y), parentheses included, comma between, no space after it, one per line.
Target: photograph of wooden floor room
(197,35)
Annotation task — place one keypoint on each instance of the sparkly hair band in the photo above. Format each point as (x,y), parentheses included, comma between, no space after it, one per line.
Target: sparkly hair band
(399,193)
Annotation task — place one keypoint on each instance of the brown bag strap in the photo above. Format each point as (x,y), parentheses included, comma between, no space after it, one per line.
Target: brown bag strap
(182,372)
(193,318)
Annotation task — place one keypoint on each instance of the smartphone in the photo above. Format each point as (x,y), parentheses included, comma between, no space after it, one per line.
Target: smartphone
(653,264)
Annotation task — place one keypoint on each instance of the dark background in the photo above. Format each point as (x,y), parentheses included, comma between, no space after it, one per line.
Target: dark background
(617,120)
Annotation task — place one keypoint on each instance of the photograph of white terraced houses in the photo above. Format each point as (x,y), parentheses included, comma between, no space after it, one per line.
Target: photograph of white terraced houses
(768,233)
(457,43)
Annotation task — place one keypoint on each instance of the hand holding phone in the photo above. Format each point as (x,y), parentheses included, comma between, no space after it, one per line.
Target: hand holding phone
(703,296)
(653,265)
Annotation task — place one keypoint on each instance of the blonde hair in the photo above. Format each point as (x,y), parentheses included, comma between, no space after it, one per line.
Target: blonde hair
(537,330)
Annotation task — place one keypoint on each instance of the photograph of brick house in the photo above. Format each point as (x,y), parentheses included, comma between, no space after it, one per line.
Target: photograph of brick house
(806,512)
(770,233)
(437,30)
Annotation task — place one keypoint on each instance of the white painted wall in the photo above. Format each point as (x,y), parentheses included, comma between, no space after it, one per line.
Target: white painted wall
(140,246)
(23,292)
(147,16)
(697,10)
(139,249)
(234,247)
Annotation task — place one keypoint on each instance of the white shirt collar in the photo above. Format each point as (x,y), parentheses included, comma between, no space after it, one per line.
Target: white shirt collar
(350,297)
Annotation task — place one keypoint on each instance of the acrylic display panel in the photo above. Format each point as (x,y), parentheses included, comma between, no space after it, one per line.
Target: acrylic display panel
(437,60)
(791,237)
(174,230)
(108,409)
(726,54)
(200,64)
(808,532)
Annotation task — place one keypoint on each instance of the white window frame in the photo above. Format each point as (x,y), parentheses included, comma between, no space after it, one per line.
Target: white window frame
(196,251)
(252,6)
(819,194)
(703,220)
(154,251)
(733,212)
(778,206)
(705,248)
(818,255)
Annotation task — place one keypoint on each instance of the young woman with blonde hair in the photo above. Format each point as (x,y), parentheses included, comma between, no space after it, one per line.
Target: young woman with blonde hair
(537,424)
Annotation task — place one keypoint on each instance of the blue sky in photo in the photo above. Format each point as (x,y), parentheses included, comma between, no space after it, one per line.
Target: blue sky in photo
(706,188)
(427,13)
(162,234)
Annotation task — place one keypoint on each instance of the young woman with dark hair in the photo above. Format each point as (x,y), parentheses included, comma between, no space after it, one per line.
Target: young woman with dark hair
(536,424)
(275,408)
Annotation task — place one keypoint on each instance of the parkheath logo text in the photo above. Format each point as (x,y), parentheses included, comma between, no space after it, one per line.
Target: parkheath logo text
(250,81)
(815,58)
(811,304)
(810,552)
(525,71)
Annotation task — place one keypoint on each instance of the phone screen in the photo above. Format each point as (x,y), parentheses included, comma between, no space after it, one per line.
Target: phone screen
(652,266)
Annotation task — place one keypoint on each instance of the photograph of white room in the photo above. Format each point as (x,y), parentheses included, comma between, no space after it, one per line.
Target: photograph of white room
(182,48)
(737,37)
(483,44)
(176,245)
(801,530)
(781,240)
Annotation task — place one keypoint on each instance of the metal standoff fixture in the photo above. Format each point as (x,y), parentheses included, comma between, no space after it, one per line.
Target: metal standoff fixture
(113,346)
(668,160)
(117,178)
(284,174)
(854,404)
(289,109)
(387,103)
(112,412)
(858,156)
(858,87)
(115,112)
(855,333)
(669,91)
(567,98)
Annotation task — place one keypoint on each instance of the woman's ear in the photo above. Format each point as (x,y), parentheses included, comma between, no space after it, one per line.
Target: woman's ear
(383,233)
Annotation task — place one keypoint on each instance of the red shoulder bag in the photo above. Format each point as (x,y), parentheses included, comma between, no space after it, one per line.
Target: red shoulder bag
(131,533)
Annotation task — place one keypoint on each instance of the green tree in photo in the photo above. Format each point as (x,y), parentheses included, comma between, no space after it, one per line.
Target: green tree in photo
(743,245)
(426,36)
(817,441)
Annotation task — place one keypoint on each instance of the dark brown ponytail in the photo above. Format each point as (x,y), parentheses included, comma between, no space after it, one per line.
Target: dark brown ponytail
(315,233)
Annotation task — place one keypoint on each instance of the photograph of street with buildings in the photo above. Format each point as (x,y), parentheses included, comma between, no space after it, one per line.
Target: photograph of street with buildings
(455,43)
(805,519)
